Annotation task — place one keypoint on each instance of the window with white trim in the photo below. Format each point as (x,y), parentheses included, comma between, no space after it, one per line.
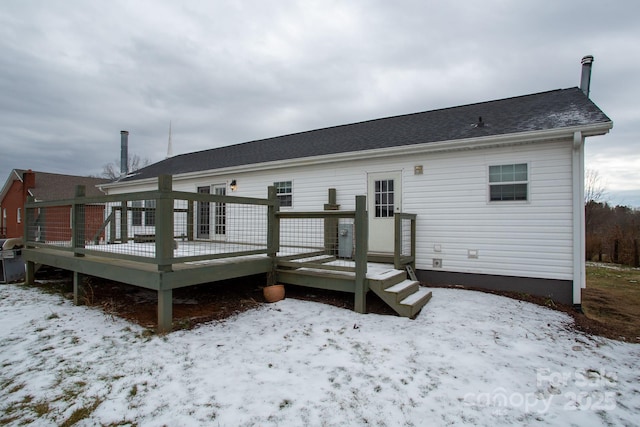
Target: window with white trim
(509,182)
(284,192)
(150,213)
(19,215)
(136,212)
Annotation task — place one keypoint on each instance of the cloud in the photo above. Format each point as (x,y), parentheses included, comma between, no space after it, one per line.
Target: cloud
(74,73)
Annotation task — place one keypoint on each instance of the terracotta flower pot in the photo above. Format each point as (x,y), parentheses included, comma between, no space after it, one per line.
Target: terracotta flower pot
(273,293)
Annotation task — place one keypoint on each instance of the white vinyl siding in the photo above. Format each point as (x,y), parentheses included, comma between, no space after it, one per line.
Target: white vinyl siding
(450,198)
(531,239)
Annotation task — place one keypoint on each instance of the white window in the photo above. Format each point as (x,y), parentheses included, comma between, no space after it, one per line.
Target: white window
(284,192)
(508,182)
(136,212)
(19,215)
(384,198)
(150,213)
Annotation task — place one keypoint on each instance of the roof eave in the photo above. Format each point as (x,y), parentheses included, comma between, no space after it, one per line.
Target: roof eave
(428,147)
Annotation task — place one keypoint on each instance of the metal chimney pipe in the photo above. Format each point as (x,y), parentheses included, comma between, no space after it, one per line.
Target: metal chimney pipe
(124,152)
(585,80)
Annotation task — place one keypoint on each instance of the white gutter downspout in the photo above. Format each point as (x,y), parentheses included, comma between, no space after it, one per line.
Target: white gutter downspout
(577,166)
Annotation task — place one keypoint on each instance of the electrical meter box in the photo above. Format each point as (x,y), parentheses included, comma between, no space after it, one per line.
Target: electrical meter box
(345,240)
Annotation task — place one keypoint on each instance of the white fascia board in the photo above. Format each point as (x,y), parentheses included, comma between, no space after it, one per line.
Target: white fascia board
(429,147)
(7,184)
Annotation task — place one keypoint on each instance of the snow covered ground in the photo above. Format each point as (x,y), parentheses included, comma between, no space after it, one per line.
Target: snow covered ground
(469,358)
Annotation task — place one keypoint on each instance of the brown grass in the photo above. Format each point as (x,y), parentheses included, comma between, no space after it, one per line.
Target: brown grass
(612,298)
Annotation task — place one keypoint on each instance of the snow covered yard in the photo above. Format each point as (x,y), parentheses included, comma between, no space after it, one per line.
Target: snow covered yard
(469,358)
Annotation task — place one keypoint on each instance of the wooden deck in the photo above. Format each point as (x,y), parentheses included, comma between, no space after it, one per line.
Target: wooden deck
(164,262)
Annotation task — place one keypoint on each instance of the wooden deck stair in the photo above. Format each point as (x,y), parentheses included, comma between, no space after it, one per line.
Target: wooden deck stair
(404,295)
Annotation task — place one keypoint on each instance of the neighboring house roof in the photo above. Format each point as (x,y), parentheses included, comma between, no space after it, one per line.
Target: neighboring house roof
(53,186)
(537,112)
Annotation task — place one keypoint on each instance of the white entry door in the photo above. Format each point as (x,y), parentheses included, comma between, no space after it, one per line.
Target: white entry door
(212,213)
(384,198)
(220,213)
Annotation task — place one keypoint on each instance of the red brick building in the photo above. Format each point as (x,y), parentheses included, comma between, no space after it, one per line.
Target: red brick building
(44,186)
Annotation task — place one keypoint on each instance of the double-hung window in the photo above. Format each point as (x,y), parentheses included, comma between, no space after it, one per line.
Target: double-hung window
(284,192)
(136,212)
(150,213)
(509,182)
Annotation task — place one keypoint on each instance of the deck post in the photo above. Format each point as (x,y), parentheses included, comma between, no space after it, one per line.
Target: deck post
(273,233)
(112,226)
(124,222)
(78,221)
(30,271)
(397,241)
(413,242)
(165,310)
(78,289)
(164,224)
(362,246)
(29,235)
(331,224)
(190,220)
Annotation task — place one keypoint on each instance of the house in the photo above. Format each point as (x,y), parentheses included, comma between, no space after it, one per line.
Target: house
(496,186)
(44,186)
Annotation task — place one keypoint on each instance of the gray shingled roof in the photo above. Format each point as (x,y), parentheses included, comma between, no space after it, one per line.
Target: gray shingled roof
(541,111)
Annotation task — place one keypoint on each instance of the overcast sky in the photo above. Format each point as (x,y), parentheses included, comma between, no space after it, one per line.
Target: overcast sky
(75,73)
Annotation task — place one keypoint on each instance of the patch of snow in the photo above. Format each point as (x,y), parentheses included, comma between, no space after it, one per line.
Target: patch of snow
(610,266)
(468,358)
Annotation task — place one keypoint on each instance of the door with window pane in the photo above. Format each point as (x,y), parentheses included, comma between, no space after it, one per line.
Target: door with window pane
(203,216)
(383,200)
(220,212)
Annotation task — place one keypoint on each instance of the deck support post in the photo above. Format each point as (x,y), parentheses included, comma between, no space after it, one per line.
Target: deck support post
(164,224)
(30,271)
(273,233)
(29,235)
(362,247)
(331,224)
(112,225)
(124,222)
(165,310)
(190,220)
(397,241)
(79,293)
(78,221)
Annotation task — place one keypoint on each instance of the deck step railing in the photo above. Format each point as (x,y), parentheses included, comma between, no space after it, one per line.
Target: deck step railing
(404,252)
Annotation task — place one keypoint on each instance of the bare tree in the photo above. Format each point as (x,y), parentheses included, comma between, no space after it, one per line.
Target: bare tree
(112,170)
(594,190)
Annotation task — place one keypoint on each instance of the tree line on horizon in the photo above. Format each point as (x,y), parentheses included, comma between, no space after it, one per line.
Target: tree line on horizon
(612,232)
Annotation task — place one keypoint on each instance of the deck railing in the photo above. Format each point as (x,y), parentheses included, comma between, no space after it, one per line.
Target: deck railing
(328,241)
(159,227)
(166,227)
(404,252)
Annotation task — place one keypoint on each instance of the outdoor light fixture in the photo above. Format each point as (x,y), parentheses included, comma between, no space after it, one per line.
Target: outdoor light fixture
(233,185)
